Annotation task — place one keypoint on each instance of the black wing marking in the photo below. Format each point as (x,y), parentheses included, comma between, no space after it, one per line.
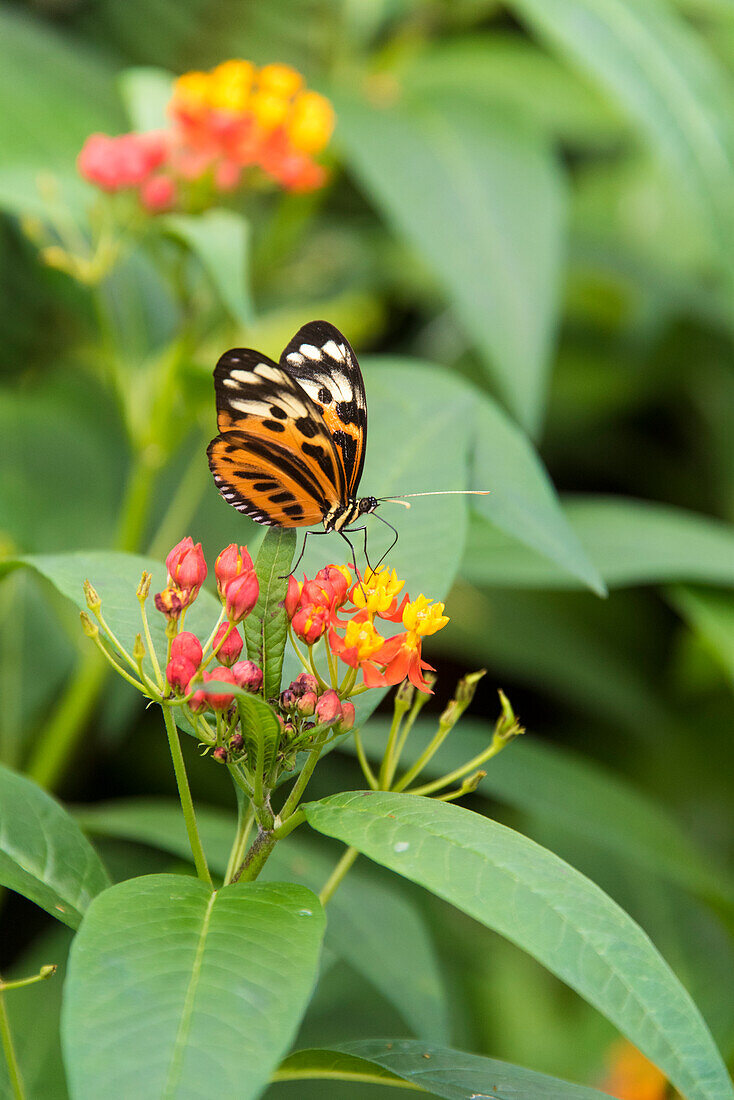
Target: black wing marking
(322,362)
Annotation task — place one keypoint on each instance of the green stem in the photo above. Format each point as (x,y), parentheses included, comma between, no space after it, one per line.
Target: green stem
(337,875)
(300,785)
(184,793)
(415,709)
(458,773)
(16,1081)
(387,768)
(44,973)
(430,751)
(245,818)
(68,723)
(364,762)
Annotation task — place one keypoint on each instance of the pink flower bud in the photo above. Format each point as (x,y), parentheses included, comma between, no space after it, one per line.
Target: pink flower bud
(309,623)
(228,650)
(328,708)
(232,561)
(220,754)
(348,716)
(292,596)
(247,675)
(218,700)
(188,646)
(187,568)
(306,705)
(240,595)
(287,699)
(158,193)
(179,672)
(97,163)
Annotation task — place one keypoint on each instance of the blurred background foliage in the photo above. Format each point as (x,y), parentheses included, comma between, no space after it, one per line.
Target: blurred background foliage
(534,199)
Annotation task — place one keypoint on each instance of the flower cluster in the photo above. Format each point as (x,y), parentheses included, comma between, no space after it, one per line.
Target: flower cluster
(313,608)
(229,127)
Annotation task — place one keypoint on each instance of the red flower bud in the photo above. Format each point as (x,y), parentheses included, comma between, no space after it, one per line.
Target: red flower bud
(218,700)
(236,742)
(287,699)
(240,595)
(310,622)
(158,194)
(220,754)
(348,716)
(188,646)
(292,596)
(179,673)
(247,675)
(306,705)
(232,561)
(332,579)
(187,568)
(170,602)
(328,708)
(228,650)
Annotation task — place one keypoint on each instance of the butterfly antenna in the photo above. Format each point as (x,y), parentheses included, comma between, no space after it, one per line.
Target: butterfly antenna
(436,493)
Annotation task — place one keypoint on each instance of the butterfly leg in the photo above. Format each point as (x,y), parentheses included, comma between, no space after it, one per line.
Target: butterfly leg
(303,551)
(394,541)
(349,544)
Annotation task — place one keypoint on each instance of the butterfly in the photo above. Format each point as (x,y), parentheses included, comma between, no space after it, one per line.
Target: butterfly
(292,435)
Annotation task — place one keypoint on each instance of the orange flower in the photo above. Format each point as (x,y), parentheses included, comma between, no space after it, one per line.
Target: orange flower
(632,1076)
(359,647)
(402,655)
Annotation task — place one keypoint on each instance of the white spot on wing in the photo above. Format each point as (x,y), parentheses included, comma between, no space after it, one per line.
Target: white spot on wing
(294,358)
(231,382)
(332,348)
(310,351)
(266,370)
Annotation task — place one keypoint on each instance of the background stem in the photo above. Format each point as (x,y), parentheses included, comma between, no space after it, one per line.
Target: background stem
(184,793)
(16,1081)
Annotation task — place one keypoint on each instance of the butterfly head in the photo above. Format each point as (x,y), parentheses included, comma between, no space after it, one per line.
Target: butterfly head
(366,505)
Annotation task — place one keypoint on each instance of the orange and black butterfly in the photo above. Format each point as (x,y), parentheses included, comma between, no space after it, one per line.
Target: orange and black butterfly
(292,435)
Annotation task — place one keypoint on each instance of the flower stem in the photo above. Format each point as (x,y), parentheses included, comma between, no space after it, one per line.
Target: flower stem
(44,973)
(387,768)
(300,785)
(16,1081)
(364,762)
(184,794)
(245,818)
(431,749)
(458,773)
(337,875)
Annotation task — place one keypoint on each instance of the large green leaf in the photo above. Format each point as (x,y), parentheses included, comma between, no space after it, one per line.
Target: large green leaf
(266,628)
(630,542)
(711,615)
(116,576)
(660,72)
(176,991)
(220,239)
(371,925)
(522,502)
(544,906)
(551,783)
(481,199)
(43,853)
(439,1070)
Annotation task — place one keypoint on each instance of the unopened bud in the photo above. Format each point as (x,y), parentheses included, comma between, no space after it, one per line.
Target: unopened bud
(227,644)
(347,719)
(220,754)
(144,586)
(236,742)
(306,705)
(90,594)
(47,971)
(89,627)
(404,695)
(328,707)
(472,782)
(138,649)
(467,685)
(507,726)
(451,714)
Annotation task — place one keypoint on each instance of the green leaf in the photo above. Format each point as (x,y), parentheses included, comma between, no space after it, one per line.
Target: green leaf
(537,901)
(43,853)
(630,542)
(661,74)
(146,93)
(220,239)
(439,1070)
(371,925)
(549,782)
(522,502)
(710,614)
(260,729)
(482,199)
(266,628)
(116,576)
(175,991)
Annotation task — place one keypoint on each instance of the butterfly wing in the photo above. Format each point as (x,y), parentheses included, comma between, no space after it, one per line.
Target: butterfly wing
(274,458)
(322,362)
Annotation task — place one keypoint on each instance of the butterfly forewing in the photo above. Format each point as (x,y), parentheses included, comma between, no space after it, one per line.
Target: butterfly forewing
(274,458)
(323,364)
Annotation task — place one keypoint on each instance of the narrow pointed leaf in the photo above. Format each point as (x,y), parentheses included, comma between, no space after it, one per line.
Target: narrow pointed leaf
(439,1070)
(266,628)
(220,239)
(43,853)
(176,992)
(532,897)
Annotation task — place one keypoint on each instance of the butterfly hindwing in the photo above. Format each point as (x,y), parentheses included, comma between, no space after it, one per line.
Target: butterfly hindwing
(323,364)
(274,458)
